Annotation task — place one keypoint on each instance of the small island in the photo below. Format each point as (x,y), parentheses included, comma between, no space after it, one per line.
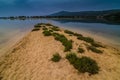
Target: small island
(50,52)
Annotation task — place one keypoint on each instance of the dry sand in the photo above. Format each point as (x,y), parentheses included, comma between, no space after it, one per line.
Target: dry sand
(30,59)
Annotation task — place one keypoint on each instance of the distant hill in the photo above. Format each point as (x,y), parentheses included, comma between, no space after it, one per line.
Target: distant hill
(107,16)
(85,13)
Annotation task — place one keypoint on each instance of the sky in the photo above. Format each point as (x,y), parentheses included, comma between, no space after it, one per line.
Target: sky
(45,7)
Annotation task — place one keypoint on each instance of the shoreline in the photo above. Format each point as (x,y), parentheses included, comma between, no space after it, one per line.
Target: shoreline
(98,38)
(30,57)
(5,47)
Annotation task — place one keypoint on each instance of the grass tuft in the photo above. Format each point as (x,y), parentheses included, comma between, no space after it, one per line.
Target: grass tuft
(67,43)
(83,64)
(48,24)
(56,57)
(86,39)
(96,45)
(93,49)
(69,32)
(76,34)
(55,28)
(81,50)
(47,33)
(35,29)
(37,25)
(44,28)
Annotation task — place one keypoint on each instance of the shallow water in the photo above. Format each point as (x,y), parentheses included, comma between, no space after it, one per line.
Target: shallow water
(9,29)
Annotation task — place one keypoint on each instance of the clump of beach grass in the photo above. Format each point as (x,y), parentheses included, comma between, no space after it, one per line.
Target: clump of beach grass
(69,32)
(47,33)
(67,43)
(56,57)
(96,44)
(35,29)
(83,64)
(76,34)
(44,28)
(48,24)
(94,49)
(37,25)
(86,39)
(55,28)
(81,50)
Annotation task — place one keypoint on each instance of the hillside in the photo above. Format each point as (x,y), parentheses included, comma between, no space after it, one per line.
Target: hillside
(106,16)
(85,13)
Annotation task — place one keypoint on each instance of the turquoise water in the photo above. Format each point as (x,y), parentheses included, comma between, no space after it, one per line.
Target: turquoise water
(12,28)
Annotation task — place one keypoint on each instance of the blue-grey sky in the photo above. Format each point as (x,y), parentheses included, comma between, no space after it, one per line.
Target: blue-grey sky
(44,7)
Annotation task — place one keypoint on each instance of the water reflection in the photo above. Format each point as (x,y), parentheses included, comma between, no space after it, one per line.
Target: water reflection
(10,28)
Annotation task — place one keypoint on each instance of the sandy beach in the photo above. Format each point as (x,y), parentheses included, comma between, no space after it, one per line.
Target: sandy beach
(30,59)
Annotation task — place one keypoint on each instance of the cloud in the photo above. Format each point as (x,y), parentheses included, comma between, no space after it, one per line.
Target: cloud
(7,1)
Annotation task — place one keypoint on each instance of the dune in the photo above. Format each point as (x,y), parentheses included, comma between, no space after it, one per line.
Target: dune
(30,59)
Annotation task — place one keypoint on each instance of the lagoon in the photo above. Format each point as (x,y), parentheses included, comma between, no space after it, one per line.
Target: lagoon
(11,31)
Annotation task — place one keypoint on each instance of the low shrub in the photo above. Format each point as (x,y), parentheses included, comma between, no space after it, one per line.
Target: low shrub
(76,34)
(92,48)
(48,24)
(96,44)
(83,64)
(37,26)
(44,28)
(86,39)
(72,58)
(67,43)
(54,28)
(36,29)
(47,33)
(86,64)
(51,30)
(81,50)
(68,32)
(56,57)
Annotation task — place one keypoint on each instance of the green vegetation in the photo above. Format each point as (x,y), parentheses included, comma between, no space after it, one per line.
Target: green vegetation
(72,33)
(68,32)
(36,29)
(71,57)
(37,26)
(56,57)
(92,48)
(89,40)
(83,64)
(96,44)
(48,24)
(55,28)
(44,28)
(86,39)
(76,34)
(67,43)
(81,50)
(47,33)
(51,30)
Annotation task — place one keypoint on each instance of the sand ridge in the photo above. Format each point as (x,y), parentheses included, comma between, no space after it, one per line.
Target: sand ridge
(30,59)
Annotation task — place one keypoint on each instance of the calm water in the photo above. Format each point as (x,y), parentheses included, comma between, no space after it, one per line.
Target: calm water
(10,29)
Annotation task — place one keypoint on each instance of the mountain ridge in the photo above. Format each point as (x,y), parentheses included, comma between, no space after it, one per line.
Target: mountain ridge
(85,13)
